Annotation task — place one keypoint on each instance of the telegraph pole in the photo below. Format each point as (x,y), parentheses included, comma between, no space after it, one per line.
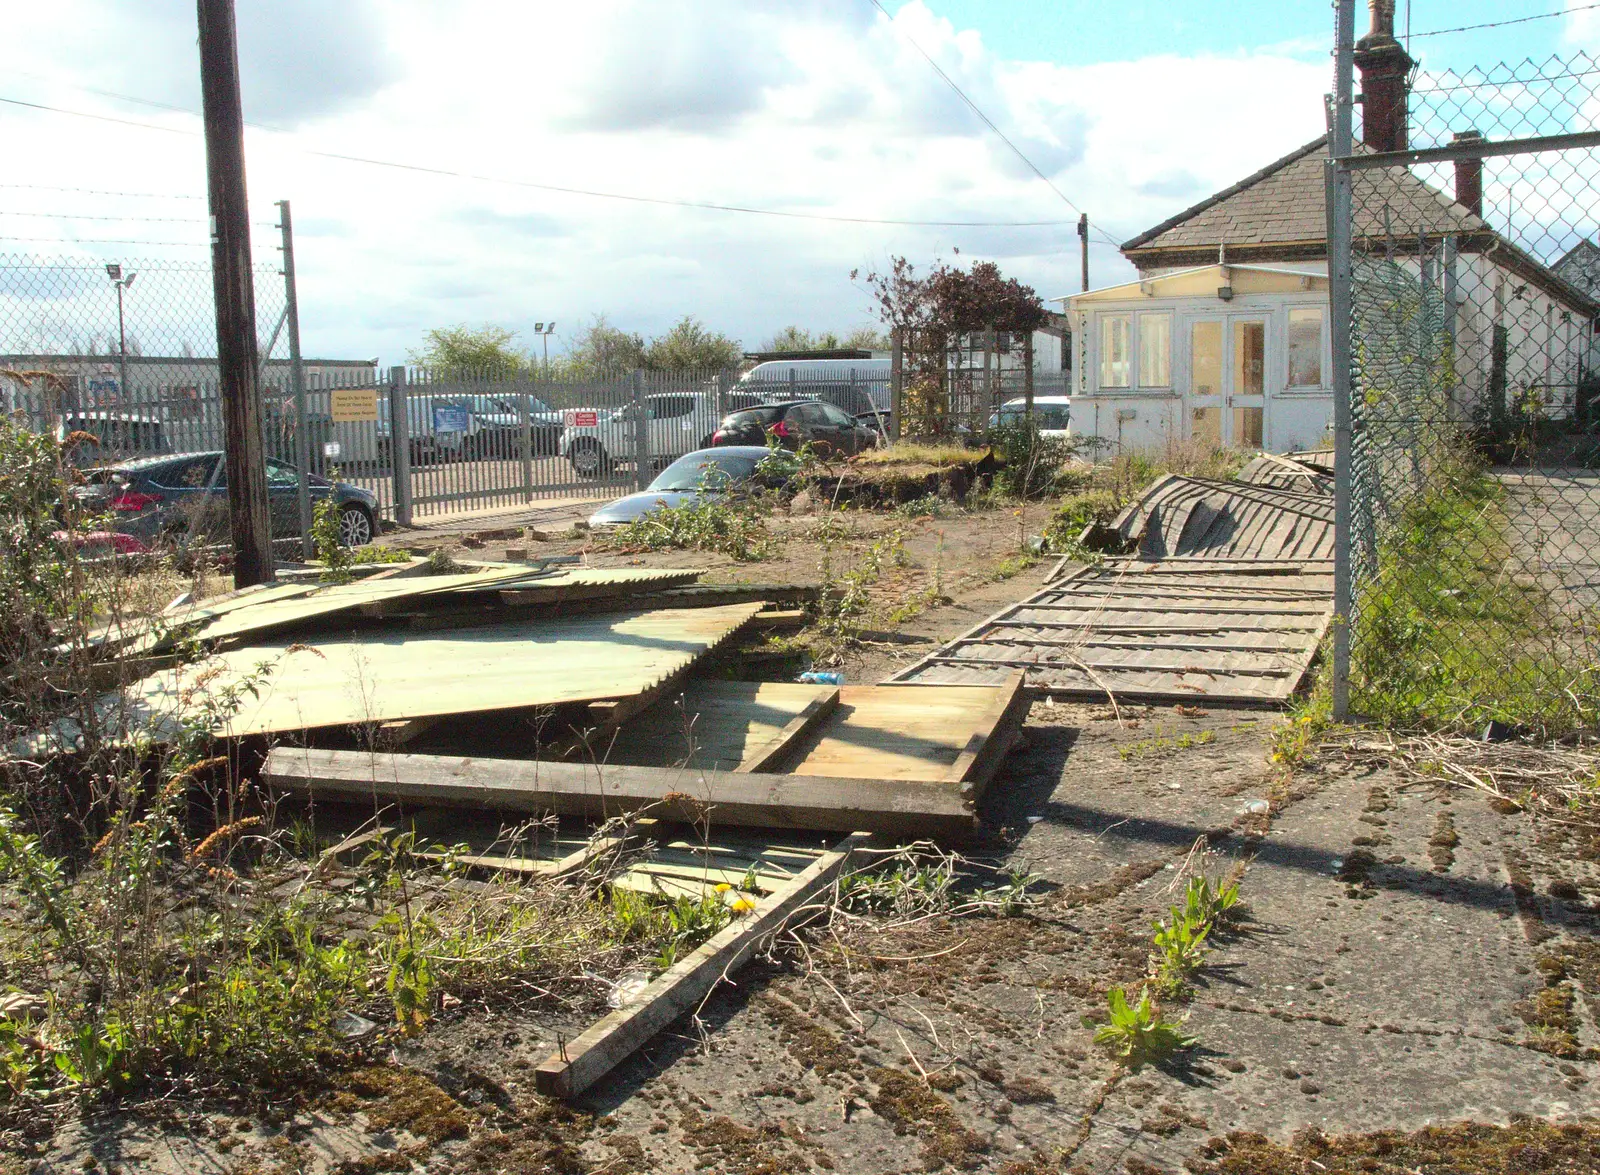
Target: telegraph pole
(1083,244)
(234,287)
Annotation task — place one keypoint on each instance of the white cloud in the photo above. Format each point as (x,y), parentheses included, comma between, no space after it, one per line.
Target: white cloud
(810,106)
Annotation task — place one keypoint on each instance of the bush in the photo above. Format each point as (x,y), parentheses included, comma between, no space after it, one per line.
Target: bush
(1032,463)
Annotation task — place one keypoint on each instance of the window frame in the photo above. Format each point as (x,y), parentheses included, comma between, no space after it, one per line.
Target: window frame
(1323,356)
(1138,349)
(1126,318)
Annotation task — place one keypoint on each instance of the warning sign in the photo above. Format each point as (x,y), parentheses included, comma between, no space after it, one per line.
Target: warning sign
(354,405)
(583,418)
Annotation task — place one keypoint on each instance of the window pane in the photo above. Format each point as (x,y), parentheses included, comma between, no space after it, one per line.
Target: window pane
(1115,361)
(1206,349)
(1249,358)
(1155,351)
(1305,347)
(1206,426)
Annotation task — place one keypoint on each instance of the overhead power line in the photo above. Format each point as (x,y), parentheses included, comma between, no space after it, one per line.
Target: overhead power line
(984,118)
(1500,24)
(450,173)
(104,192)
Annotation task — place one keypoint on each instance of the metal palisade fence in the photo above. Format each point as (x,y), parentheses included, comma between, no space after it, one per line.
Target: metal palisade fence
(1466,291)
(123,359)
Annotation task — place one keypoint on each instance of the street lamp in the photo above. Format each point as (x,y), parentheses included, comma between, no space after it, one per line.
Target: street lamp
(545,329)
(114,272)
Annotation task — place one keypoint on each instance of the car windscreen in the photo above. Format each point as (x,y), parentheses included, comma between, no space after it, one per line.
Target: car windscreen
(708,470)
(761,416)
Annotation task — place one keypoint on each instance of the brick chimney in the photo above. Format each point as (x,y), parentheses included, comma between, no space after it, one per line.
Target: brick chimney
(1469,175)
(1384,66)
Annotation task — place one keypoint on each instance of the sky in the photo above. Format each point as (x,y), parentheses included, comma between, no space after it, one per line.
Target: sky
(810,108)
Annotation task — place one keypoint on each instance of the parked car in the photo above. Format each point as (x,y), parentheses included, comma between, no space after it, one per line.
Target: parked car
(498,431)
(1052,415)
(185,494)
(679,422)
(830,430)
(96,438)
(856,385)
(440,427)
(694,477)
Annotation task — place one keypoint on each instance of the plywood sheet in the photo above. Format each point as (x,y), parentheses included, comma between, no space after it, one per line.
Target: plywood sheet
(691,868)
(283,686)
(898,732)
(712,725)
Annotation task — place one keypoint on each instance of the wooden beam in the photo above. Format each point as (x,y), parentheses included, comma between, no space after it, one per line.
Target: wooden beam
(905,809)
(685,985)
(766,756)
(779,619)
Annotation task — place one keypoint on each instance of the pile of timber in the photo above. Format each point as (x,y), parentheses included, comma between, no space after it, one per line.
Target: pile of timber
(471,708)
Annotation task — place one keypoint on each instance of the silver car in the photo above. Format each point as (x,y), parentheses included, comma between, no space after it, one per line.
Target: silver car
(704,475)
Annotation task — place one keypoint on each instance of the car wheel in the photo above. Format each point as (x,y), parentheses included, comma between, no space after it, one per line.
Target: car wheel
(589,459)
(355,527)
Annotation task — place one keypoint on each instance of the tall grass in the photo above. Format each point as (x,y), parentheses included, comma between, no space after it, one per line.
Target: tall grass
(1447,635)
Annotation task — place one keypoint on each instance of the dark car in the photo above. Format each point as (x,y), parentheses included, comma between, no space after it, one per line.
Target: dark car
(187,494)
(829,429)
(99,438)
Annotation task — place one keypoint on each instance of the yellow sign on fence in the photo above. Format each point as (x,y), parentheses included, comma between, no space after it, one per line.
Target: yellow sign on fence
(354,405)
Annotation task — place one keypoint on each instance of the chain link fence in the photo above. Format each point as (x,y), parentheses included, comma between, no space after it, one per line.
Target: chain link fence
(122,358)
(1473,459)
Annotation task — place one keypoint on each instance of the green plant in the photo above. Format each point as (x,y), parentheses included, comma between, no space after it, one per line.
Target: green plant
(1180,950)
(1137,1034)
(440,563)
(706,524)
(1208,905)
(1031,463)
(335,556)
(847,600)
(373,553)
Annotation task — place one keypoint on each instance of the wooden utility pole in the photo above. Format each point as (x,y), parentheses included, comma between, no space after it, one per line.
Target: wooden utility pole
(234,287)
(1083,245)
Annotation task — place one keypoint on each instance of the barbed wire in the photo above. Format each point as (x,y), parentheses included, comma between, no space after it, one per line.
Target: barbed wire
(1500,24)
(104,192)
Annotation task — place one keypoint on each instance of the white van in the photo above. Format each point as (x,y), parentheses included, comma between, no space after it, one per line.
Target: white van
(856,385)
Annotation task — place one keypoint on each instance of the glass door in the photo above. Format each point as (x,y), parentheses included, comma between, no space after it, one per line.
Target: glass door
(1247,400)
(1204,403)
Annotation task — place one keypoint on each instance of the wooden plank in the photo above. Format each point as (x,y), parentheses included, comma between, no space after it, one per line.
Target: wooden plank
(777,619)
(985,749)
(766,756)
(899,808)
(1107,666)
(685,985)
(714,725)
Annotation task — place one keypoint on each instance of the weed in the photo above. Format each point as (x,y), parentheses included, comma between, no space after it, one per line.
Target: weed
(1447,639)
(707,524)
(1180,950)
(440,563)
(335,556)
(373,553)
(1013,565)
(1161,745)
(1211,906)
(847,600)
(927,506)
(1137,1034)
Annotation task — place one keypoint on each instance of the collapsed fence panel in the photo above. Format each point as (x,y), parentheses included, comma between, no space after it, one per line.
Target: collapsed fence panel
(1214,636)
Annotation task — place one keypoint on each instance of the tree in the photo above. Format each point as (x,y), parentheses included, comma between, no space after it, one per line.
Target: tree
(486,350)
(951,301)
(602,349)
(690,346)
(865,338)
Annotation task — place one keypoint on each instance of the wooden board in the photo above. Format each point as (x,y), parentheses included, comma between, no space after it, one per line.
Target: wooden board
(578,1064)
(687,867)
(714,725)
(911,733)
(387,675)
(905,809)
